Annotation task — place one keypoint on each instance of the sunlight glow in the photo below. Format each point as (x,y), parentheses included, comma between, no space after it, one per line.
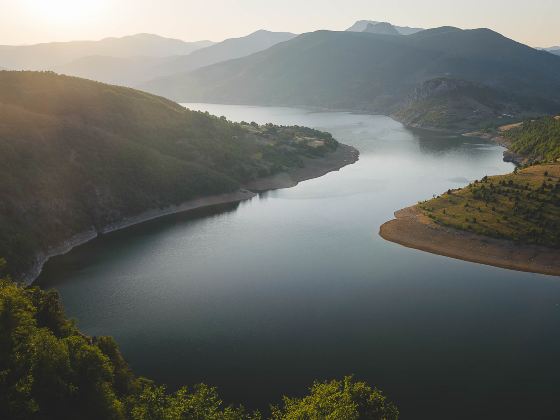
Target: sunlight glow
(64,11)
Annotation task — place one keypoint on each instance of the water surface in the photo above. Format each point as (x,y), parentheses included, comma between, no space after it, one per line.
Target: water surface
(262,297)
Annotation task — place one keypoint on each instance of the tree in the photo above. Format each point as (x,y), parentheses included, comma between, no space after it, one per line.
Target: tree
(337,400)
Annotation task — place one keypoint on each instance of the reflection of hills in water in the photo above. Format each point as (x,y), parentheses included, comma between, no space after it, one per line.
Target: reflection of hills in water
(103,247)
(326,192)
(437,143)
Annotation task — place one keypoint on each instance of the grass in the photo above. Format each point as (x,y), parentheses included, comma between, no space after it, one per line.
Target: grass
(523,206)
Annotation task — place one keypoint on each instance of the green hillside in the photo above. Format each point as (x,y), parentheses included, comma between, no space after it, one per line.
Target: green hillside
(50,370)
(373,72)
(537,140)
(77,155)
(523,206)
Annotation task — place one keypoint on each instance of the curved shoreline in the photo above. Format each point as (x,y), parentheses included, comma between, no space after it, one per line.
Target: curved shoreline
(314,168)
(412,229)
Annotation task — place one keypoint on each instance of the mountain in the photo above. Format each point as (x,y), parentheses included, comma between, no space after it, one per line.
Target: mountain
(362,25)
(124,71)
(78,157)
(133,71)
(382,28)
(49,55)
(372,72)
(553,50)
(458,104)
(227,50)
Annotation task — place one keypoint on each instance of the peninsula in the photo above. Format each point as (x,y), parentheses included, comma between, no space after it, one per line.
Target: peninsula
(81,158)
(510,221)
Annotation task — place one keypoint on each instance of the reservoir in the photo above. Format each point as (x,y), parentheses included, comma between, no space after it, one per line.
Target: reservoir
(262,297)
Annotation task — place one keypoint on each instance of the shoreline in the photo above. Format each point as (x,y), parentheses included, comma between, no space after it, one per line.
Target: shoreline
(412,229)
(500,140)
(314,168)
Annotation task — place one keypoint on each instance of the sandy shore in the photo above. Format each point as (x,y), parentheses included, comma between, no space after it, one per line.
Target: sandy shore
(314,168)
(413,229)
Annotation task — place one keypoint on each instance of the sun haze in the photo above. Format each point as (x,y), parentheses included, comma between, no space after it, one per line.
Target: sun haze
(32,21)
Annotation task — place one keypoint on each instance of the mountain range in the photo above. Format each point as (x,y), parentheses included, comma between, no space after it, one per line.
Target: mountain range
(442,76)
(228,50)
(130,61)
(374,72)
(49,55)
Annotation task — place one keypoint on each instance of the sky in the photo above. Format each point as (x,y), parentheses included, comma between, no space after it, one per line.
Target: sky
(536,22)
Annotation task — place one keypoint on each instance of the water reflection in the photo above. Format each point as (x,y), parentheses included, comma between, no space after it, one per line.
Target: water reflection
(295,285)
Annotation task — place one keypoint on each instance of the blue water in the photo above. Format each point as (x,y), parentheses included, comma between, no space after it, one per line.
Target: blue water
(262,297)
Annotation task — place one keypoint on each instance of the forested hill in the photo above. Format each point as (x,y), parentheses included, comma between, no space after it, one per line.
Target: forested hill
(536,140)
(77,155)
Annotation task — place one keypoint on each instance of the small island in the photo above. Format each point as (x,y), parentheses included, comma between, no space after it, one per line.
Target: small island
(510,221)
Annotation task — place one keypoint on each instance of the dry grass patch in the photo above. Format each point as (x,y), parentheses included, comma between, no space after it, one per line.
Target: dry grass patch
(523,206)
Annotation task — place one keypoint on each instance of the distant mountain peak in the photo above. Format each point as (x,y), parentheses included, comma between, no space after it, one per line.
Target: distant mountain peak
(382,28)
(265,32)
(362,25)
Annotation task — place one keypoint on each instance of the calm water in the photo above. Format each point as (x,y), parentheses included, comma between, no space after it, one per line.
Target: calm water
(262,297)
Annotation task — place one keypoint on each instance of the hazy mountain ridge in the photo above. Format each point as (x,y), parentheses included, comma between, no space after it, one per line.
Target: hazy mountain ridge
(135,70)
(375,73)
(227,50)
(50,55)
(124,71)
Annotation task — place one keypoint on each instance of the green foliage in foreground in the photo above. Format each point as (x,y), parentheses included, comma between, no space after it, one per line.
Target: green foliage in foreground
(344,399)
(523,206)
(49,370)
(538,140)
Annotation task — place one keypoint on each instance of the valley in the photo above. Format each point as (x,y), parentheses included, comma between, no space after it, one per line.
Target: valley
(199,210)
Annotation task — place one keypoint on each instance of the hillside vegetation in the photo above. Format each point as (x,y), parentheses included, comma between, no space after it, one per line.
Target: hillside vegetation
(77,155)
(459,105)
(537,140)
(523,206)
(50,370)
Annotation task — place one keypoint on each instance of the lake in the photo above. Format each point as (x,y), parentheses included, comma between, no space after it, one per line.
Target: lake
(262,297)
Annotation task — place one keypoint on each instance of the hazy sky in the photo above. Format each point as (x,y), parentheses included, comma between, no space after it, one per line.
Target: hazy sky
(536,22)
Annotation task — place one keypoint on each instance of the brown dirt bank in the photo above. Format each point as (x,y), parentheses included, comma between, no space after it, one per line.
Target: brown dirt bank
(314,168)
(413,229)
